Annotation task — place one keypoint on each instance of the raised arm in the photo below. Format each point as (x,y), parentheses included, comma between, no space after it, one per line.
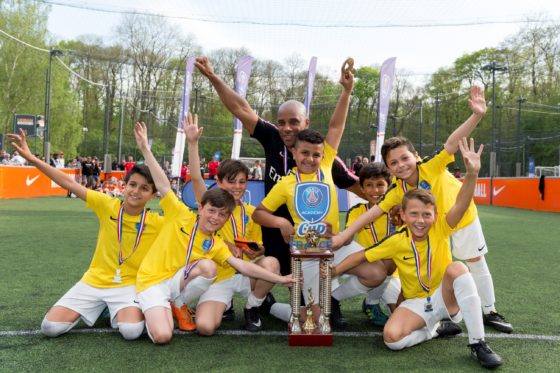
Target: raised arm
(369,216)
(236,104)
(193,134)
(466,193)
(64,180)
(160,179)
(477,103)
(338,119)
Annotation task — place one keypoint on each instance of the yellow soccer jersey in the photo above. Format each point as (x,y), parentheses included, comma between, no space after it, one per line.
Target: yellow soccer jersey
(283,192)
(433,176)
(169,251)
(370,234)
(105,261)
(398,247)
(248,230)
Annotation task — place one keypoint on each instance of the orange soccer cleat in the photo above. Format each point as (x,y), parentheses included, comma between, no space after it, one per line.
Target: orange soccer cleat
(183,316)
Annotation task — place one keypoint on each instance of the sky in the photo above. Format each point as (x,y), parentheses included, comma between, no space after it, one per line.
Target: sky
(424,35)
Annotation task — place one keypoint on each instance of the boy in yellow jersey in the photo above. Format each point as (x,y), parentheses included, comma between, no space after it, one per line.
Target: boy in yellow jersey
(126,232)
(232,177)
(434,287)
(310,196)
(374,181)
(430,173)
(185,255)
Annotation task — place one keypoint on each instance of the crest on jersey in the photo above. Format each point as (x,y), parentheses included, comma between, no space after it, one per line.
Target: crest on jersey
(207,245)
(312,201)
(425,185)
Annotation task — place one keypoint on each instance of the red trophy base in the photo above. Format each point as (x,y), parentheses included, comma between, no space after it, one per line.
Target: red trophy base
(305,339)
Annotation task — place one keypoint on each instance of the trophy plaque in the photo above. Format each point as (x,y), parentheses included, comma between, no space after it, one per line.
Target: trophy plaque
(311,246)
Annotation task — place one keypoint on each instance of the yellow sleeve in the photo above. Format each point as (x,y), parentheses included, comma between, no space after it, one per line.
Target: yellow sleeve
(438,163)
(390,198)
(276,197)
(382,250)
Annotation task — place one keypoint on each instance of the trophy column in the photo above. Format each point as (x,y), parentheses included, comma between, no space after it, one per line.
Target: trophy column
(295,300)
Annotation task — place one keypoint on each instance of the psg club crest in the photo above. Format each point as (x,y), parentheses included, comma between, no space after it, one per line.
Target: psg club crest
(206,245)
(425,185)
(312,201)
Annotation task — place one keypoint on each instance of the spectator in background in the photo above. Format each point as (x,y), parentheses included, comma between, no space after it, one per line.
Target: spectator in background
(184,173)
(203,166)
(457,172)
(213,168)
(357,165)
(365,160)
(60,161)
(2,156)
(129,164)
(96,173)
(257,171)
(87,172)
(53,162)
(17,160)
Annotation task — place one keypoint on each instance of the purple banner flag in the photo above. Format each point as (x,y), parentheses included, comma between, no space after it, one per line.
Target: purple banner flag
(179,149)
(244,66)
(386,77)
(310,82)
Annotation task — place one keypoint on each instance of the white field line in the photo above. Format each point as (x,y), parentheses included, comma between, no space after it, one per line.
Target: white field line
(13,333)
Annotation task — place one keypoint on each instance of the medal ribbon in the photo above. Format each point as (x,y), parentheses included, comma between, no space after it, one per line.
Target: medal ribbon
(320,176)
(243,224)
(285,160)
(191,242)
(138,234)
(405,186)
(374,234)
(418,265)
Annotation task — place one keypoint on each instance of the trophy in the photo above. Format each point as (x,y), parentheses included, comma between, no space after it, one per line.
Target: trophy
(311,246)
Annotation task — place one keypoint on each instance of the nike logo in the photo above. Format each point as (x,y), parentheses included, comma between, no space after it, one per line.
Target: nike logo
(495,192)
(182,230)
(481,248)
(257,324)
(405,258)
(112,218)
(29,181)
(135,301)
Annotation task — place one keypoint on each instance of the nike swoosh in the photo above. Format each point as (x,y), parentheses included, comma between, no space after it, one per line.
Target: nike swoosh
(257,324)
(29,181)
(112,218)
(495,192)
(482,248)
(405,258)
(135,301)
(182,230)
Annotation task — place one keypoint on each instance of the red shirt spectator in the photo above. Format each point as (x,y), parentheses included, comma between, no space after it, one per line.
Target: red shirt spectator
(213,169)
(129,164)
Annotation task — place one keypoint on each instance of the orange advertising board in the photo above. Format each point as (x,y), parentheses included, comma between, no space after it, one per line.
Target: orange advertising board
(522,192)
(24,182)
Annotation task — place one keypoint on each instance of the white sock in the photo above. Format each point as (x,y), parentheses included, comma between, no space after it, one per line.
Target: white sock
(131,331)
(469,303)
(282,311)
(195,288)
(350,289)
(56,328)
(484,284)
(253,301)
(392,292)
(375,294)
(417,336)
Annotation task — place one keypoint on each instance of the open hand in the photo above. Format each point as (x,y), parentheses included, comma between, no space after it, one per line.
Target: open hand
(20,144)
(141,135)
(190,126)
(477,102)
(203,65)
(470,156)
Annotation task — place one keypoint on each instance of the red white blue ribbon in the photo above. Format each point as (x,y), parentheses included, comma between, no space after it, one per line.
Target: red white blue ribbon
(243,223)
(419,265)
(320,176)
(374,233)
(138,234)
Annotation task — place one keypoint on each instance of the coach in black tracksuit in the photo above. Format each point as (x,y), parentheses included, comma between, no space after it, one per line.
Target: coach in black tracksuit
(277,140)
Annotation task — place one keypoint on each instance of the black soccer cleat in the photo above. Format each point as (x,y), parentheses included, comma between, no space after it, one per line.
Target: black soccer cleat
(229,313)
(266,305)
(253,322)
(498,322)
(482,353)
(337,320)
(448,328)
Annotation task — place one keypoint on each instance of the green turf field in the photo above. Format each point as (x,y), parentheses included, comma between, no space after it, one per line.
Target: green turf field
(46,245)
